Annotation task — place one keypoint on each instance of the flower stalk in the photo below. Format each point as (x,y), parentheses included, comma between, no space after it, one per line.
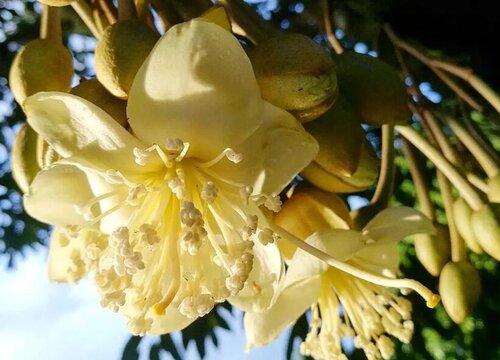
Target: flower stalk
(50,24)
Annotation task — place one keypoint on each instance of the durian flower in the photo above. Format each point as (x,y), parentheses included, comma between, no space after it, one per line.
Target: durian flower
(169,217)
(345,304)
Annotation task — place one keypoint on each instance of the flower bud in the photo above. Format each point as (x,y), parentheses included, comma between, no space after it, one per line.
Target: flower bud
(42,65)
(93,91)
(295,74)
(494,189)
(433,251)
(462,213)
(484,224)
(56,2)
(120,52)
(459,288)
(374,88)
(24,161)
(364,176)
(340,138)
(310,210)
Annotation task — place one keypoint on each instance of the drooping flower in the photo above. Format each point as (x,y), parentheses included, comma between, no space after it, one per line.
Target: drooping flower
(343,305)
(169,217)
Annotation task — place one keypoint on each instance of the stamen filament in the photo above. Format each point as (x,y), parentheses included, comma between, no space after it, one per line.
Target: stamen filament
(228,153)
(431,299)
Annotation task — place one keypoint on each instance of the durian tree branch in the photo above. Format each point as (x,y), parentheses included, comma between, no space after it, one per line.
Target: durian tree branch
(50,24)
(385,184)
(247,22)
(458,249)
(421,185)
(463,186)
(84,11)
(329,29)
(489,164)
(126,10)
(426,61)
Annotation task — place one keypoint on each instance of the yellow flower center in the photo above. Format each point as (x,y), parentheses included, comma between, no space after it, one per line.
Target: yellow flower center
(185,226)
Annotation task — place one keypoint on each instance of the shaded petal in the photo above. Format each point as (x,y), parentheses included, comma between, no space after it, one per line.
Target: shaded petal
(380,258)
(274,154)
(54,192)
(197,85)
(396,223)
(75,127)
(59,259)
(261,288)
(340,244)
(263,327)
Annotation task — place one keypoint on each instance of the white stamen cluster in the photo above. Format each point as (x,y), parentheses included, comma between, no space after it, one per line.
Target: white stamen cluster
(178,188)
(135,194)
(197,305)
(125,260)
(371,313)
(139,325)
(148,236)
(239,273)
(250,228)
(209,192)
(141,156)
(266,236)
(273,203)
(76,270)
(194,232)
(112,288)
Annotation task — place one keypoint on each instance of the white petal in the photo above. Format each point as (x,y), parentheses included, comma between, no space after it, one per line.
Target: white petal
(262,285)
(263,327)
(381,257)
(396,223)
(173,320)
(54,193)
(197,85)
(59,260)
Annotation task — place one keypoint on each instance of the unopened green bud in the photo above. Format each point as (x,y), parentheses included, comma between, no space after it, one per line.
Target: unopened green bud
(42,65)
(93,91)
(433,251)
(459,288)
(120,52)
(374,88)
(364,176)
(484,223)
(462,213)
(340,138)
(296,74)
(24,153)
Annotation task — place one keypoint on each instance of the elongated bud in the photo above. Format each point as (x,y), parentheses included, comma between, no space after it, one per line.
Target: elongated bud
(340,138)
(120,53)
(310,210)
(364,176)
(57,3)
(484,223)
(462,213)
(433,251)
(93,91)
(295,74)
(459,288)
(374,88)
(24,161)
(494,189)
(42,65)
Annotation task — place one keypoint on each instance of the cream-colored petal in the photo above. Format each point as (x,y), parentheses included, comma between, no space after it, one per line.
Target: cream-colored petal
(396,223)
(273,155)
(75,127)
(54,193)
(341,244)
(59,259)
(172,321)
(263,327)
(261,288)
(197,85)
(381,257)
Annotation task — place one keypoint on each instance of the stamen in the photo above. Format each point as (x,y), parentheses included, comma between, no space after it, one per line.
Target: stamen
(114,177)
(228,153)
(209,192)
(273,203)
(141,156)
(431,299)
